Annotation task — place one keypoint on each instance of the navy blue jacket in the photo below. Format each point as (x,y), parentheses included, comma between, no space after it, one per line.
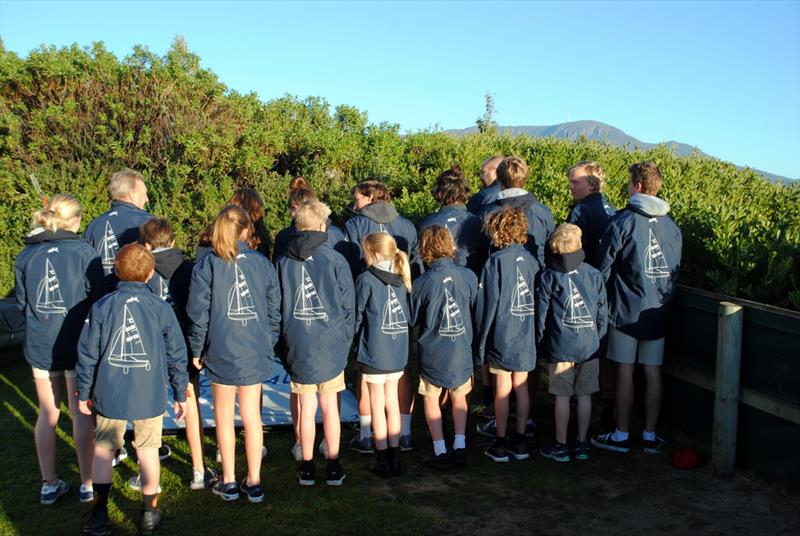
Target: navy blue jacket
(382,314)
(483,197)
(318,309)
(441,307)
(570,309)
(592,214)
(380,217)
(112,229)
(336,239)
(234,308)
(540,220)
(56,278)
(639,257)
(171,283)
(465,228)
(505,313)
(130,346)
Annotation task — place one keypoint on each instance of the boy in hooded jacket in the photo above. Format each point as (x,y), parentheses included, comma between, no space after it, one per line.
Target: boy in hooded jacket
(571,319)
(317,325)
(592,211)
(130,346)
(639,257)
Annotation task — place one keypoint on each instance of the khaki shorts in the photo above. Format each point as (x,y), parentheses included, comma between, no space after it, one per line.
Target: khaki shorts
(331,386)
(623,348)
(567,379)
(110,433)
(41,374)
(381,379)
(426,388)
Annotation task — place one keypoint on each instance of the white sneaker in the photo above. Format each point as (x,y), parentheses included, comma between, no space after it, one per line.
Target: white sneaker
(51,492)
(203,479)
(135,483)
(323,449)
(119,455)
(296,452)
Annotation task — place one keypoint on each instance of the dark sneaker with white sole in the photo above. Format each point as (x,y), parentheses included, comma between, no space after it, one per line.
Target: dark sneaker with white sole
(497,451)
(653,446)
(164,452)
(307,474)
(581,450)
(254,493)
(51,492)
(334,474)
(440,462)
(98,523)
(607,442)
(558,452)
(227,492)
(518,449)
(362,446)
(150,520)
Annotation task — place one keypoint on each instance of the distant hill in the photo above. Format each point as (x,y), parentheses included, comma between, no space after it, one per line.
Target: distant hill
(597,131)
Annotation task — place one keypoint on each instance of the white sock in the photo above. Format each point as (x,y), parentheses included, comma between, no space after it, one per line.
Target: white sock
(460,442)
(648,436)
(405,424)
(619,435)
(366,426)
(439,447)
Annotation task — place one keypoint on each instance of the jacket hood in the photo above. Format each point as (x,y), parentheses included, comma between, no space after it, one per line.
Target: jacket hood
(304,243)
(387,278)
(566,262)
(40,235)
(648,205)
(167,261)
(380,212)
(117,204)
(520,202)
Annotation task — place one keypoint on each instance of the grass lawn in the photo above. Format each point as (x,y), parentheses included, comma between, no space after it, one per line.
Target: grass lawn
(610,493)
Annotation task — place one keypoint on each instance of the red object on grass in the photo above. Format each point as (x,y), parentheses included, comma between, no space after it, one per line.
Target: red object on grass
(687,458)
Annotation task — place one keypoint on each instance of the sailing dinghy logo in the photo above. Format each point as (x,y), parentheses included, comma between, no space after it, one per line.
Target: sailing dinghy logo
(655,265)
(576,313)
(522,299)
(382,228)
(307,305)
(108,248)
(126,346)
(163,289)
(452,324)
(240,302)
(394,319)
(48,293)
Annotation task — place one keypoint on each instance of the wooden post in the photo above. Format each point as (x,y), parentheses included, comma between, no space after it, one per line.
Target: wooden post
(726,392)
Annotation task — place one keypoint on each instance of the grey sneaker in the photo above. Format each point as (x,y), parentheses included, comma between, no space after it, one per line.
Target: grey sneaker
(51,492)
(362,446)
(203,479)
(135,483)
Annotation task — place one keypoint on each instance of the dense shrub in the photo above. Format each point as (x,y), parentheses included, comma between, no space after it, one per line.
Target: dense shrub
(73,115)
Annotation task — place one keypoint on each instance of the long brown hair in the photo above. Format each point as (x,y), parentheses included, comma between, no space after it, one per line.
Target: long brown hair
(251,202)
(381,246)
(227,229)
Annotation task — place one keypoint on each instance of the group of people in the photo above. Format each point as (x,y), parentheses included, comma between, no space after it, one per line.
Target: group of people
(486,280)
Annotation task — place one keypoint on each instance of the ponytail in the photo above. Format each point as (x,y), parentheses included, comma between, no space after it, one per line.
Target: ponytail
(403,268)
(300,192)
(227,229)
(382,246)
(58,212)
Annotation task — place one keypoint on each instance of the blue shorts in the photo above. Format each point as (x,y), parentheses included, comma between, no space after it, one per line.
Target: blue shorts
(623,348)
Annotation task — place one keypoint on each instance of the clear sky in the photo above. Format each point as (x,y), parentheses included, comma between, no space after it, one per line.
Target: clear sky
(724,76)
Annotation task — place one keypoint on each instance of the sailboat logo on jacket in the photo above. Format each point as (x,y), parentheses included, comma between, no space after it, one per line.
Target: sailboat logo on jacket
(452,324)
(127,345)
(655,265)
(522,299)
(240,303)
(576,313)
(108,248)
(394,319)
(48,293)
(307,305)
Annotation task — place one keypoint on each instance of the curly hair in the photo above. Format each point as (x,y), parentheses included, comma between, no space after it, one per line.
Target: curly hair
(506,227)
(436,243)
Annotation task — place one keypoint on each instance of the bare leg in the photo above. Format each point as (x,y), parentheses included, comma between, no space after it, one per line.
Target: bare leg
(332,426)
(519,381)
(562,418)
(150,470)
(652,374)
(294,407)
(502,390)
(194,427)
(624,395)
(49,395)
(101,464)
(405,392)
(250,411)
(460,407)
(433,414)
(363,397)
(82,434)
(378,410)
(224,407)
(308,424)
(393,425)
(584,415)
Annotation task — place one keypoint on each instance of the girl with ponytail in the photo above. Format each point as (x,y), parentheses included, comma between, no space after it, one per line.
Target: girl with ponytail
(382,315)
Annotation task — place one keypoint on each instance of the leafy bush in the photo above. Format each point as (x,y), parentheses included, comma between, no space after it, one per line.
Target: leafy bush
(74,115)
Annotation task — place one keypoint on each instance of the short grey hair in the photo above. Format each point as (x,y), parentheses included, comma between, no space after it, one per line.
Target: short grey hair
(123,182)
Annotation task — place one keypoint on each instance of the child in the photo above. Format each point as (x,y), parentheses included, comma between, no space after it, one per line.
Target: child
(130,345)
(639,257)
(571,319)
(382,313)
(592,210)
(506,327)
(317,331)
(56,278)
(234,306)
(441,307)
(171,283)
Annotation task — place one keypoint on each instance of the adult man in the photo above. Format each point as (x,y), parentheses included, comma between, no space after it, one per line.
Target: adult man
(491,187)
(592,210)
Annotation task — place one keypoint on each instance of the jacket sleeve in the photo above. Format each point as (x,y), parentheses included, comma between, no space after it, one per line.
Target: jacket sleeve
(351,249)
(362,298)
(96,281)
(485,309)
(607,250)
(347,295)
(19,285)
(88,355)
(273,304)
(414,258)
(602,310)
(542,305)
(176,354)
(198,307)
(579,216)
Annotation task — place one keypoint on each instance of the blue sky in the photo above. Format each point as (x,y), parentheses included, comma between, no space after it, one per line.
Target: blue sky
(724,76)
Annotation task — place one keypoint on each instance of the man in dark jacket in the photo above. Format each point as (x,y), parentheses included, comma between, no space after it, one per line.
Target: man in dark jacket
(639,257)
(592,211)
(491,187)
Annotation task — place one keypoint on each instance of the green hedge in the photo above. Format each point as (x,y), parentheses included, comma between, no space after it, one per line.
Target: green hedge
(73,115)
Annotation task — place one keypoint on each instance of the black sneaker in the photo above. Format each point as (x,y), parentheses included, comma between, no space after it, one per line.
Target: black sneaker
(394,461)
(164,452)
(556,451)
(254,493)
(497,450)
(334,474)
(150,520)
(98,523)
(228,492)
(518,449)
(440,462)
(381,466)
(459,457)
(606,442)
(307,474)
(654,446)
(581,450)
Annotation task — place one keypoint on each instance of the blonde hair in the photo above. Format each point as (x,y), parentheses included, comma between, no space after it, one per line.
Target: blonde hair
(311,215)
(59,210)
(565,239)
(506,227)
(595,175)
(226,230)
(512,172)
(123,182)
(156,233)
(381,246)
(436,242)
